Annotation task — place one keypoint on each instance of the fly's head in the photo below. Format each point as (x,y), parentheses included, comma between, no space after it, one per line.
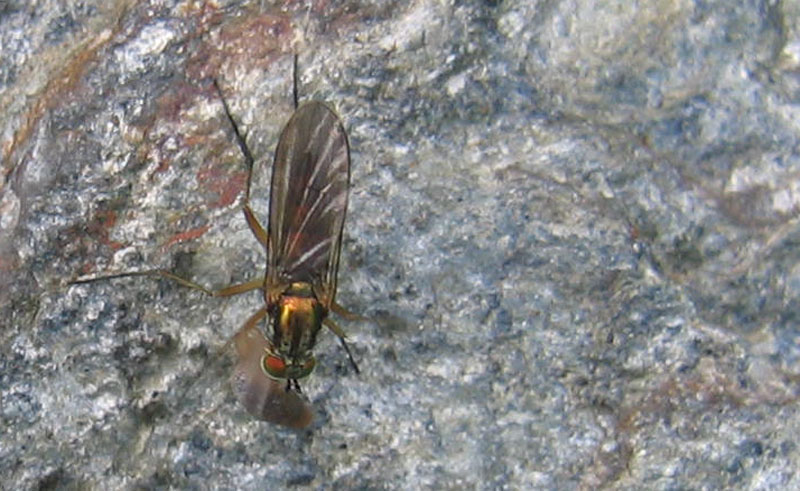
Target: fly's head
(277,367)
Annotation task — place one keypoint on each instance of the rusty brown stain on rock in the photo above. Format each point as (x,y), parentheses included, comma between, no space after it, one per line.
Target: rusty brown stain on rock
(254,41)
(60,83)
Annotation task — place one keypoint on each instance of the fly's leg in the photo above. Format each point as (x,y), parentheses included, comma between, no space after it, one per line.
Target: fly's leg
(340,334)
(252,221)
(290,382)
(248,157)
(335,307)
(224,292)
(255,226)
(346,314)
(240,288)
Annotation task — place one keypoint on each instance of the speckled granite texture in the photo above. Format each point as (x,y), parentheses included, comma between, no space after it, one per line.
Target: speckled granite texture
(573,227)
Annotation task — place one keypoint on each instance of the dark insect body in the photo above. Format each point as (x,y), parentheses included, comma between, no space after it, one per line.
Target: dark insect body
(308,202)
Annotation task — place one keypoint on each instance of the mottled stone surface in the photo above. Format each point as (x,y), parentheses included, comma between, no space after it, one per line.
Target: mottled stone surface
(572,223)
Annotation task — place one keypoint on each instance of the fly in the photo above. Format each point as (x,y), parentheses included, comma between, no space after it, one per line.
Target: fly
(303,241)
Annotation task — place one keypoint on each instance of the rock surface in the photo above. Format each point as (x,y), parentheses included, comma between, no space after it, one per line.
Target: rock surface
(572,224)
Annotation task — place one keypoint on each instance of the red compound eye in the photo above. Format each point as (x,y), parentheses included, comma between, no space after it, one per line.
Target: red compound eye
(274,366)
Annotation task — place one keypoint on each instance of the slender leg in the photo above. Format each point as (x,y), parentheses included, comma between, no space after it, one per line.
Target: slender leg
(343,312)
(255,318)
(296,386)
(252,221)
(150,272)
(248,157)
(340,334)
(255,226)
(239,138)
(224,292)
(241,288)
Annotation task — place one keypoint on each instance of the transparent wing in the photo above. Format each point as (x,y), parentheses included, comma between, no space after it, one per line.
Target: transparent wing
(308,199)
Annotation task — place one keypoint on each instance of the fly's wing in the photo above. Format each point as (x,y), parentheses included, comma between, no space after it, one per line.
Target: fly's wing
(308,199)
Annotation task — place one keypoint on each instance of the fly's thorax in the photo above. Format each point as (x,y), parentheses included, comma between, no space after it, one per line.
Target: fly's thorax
(297,319)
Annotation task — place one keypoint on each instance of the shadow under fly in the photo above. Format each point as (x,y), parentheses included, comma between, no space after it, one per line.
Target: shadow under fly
(307,206)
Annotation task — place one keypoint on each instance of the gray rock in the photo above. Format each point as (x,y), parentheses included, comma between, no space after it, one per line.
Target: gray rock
(572,224)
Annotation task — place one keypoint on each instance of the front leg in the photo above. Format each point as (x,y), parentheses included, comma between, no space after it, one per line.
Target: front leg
(161,273)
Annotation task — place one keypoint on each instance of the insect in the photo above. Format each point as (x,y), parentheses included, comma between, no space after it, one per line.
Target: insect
(307,207)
